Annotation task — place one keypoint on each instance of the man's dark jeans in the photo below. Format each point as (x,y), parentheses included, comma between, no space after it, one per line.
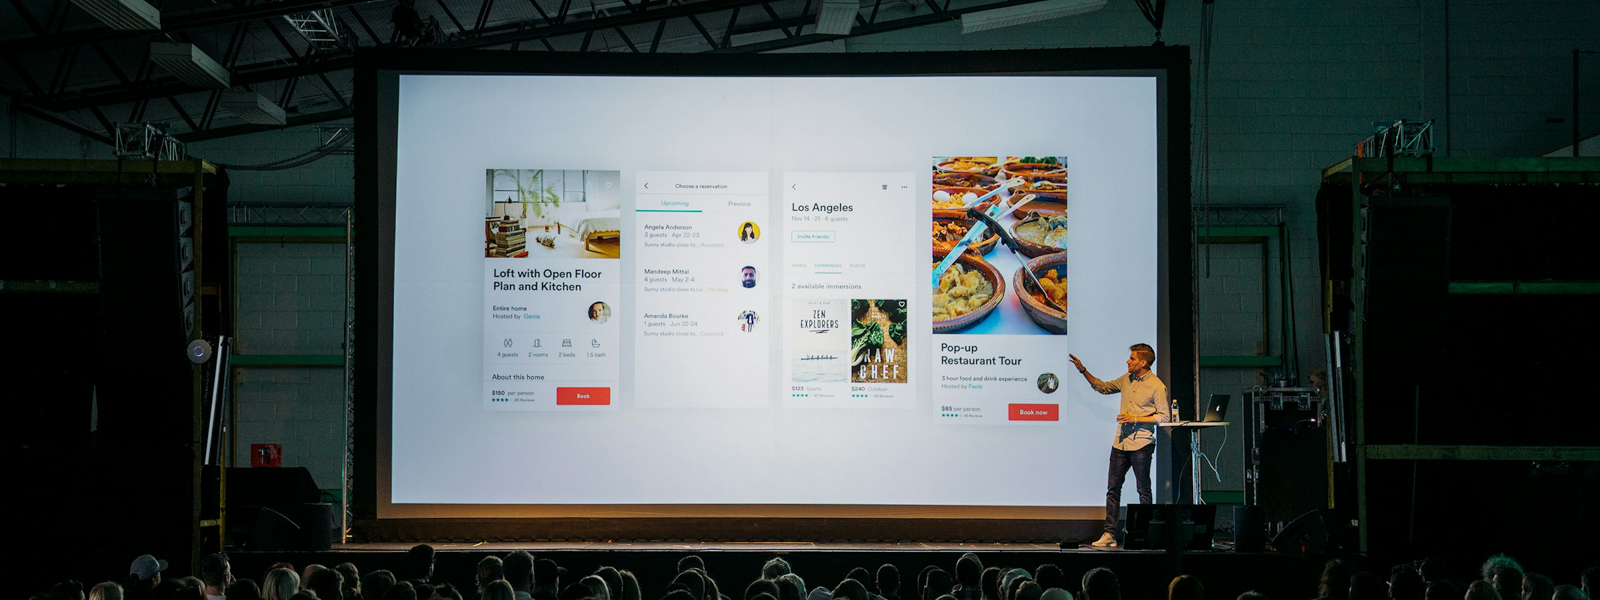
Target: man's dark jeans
(1121,461)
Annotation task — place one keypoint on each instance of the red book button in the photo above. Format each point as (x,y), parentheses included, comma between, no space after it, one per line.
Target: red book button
(583,396)
(1035,412)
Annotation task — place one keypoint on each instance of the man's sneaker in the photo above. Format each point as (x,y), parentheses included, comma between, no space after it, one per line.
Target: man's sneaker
(1106,541)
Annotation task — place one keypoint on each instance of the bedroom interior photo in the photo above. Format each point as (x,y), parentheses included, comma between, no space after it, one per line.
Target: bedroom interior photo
(553,214)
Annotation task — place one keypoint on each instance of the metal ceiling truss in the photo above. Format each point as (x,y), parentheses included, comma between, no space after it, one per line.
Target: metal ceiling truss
(641,26)
(322,28)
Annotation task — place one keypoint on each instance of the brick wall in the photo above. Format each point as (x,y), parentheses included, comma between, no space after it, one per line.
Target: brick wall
(291,302)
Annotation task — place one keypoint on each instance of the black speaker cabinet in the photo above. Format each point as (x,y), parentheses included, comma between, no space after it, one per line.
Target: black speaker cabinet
(1316,532)
(1152,526)
(1249,533)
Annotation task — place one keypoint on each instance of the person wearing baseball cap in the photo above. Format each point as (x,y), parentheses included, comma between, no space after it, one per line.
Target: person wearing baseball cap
(143,576)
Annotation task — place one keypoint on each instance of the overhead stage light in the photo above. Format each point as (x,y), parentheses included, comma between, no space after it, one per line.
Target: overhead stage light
(254,108)
(837,17)
(1027,13)
(189,63)
(123,14)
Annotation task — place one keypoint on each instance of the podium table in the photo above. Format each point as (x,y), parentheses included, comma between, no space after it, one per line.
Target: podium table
(1192,429)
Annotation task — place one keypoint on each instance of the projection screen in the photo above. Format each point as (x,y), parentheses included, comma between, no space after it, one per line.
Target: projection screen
(712,286)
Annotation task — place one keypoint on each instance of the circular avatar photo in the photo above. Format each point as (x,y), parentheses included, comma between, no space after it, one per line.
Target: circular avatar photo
(599,312)
(749,232)
(748,320)
(747,277)
(1048,383)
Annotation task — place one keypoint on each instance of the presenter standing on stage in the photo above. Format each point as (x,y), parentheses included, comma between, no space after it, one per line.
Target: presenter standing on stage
(1144,404)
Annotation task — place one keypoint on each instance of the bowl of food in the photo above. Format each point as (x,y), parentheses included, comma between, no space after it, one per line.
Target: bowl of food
(952,202)
(1042,186)
(985,165)
(1051,270)
(963,180)
(947,231)
(1041,233)
(1035,169)
(1044,203)
(966,294)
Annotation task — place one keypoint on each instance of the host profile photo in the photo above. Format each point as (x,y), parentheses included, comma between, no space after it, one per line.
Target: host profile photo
(748,320)
(1048,383)
(749,232)
(747,276)
(599,312)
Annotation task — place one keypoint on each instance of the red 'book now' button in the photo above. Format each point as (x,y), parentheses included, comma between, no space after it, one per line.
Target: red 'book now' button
(583,396)
(1035,412)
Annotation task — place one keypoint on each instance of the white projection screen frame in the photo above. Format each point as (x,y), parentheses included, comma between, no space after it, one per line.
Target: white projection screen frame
(423,371)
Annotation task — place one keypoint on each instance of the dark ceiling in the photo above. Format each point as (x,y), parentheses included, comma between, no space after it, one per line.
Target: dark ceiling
(65,66)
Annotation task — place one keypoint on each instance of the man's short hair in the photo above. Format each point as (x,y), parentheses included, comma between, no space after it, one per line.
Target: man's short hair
(630,586)
(1145,353)
(791,587)
(1051,577)
(775,568)
(242,589)
(419,560)
(1538,587)
(922,578)
(1481,590)
(1101,584)
(859,574)
(547,574)
(1015,586)
(888,580)
(376,584)
(692,561)
(693,581)
(1497,563)
(1186,587)
(968,570)
(1028,589)
(613,579)
(519,569)
(214,570)
(989,583)
(352,578)
(1569,592)
(760,587)
(490,569)
(328,584)
(1507,582)
(1406,584)
(851,589)
(578,591)
(937,584)
(1433,568)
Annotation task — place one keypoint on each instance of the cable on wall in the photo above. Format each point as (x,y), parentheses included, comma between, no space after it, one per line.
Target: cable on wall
(339,140)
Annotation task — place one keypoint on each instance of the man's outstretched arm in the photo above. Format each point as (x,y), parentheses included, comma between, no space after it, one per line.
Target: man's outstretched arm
(1099,386)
